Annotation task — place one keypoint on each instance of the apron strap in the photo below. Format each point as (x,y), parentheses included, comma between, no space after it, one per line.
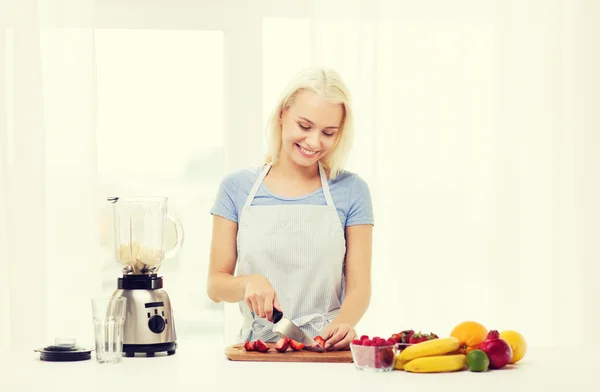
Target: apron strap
(325,185)
(257,183)
(263,174)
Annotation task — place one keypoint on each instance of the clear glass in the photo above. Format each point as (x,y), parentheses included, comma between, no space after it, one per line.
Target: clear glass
(374,358)
(109,327)
(139,224)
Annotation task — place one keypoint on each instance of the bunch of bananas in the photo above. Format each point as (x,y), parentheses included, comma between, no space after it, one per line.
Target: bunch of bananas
(432,356)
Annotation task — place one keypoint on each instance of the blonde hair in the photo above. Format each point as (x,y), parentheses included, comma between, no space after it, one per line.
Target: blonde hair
(328,84)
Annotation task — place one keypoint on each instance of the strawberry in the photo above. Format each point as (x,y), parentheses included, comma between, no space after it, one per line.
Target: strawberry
(397,337)
(384,358)
(282,344)
(260,346)
(432,336)
(296,346)
(405,335)
(248,346)
(417,338)
(320,341)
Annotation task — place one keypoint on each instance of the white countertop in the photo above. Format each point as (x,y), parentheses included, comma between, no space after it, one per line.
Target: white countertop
(202,366)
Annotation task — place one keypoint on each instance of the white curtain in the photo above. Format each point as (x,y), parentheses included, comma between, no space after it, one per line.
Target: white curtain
(477,131)
(48,230)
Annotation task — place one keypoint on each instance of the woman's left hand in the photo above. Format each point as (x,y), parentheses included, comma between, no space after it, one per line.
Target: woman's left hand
(338,336)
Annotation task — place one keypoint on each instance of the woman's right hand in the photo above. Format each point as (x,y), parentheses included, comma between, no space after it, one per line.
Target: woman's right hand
(261,297)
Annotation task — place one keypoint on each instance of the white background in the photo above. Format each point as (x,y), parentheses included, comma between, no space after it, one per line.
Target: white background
(477,131)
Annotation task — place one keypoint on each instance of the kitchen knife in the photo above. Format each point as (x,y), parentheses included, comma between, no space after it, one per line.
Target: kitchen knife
(283,327)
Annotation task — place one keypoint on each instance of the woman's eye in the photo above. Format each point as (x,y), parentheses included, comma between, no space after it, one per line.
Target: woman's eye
(304,127)
(328,134)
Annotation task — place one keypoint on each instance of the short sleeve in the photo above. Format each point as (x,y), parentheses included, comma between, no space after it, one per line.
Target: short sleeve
(224,204)
(360,211)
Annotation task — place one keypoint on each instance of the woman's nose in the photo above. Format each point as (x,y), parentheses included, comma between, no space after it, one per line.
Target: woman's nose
(313,139)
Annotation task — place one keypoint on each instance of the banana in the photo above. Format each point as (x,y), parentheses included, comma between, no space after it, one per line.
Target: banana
(429,348)
(436,364)
(398,365)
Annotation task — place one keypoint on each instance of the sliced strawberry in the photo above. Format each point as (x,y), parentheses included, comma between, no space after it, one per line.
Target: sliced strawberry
(261,346)
(296,346)
(249,346)
(320,341)
(282,344)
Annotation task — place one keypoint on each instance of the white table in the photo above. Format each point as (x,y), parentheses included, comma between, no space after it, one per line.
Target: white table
(202,366)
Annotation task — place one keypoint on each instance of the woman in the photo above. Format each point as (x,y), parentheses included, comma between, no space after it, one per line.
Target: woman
(299,228)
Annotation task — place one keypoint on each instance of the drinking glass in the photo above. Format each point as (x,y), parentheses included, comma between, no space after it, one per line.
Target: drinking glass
(109,327)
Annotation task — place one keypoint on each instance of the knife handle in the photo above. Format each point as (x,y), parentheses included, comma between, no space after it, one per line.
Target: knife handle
(277,315)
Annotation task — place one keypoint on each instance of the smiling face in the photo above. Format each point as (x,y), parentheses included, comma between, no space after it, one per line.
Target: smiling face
(310,128)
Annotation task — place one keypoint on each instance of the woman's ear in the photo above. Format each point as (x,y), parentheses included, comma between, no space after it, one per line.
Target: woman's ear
(280,116)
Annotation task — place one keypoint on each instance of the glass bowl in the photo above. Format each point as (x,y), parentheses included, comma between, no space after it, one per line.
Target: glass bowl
(373,358)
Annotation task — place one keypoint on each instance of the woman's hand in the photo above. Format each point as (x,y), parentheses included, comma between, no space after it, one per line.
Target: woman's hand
(261,297)
(338,336)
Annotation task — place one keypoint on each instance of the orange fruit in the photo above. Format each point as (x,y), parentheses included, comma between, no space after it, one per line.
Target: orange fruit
(470,334)
(517,343)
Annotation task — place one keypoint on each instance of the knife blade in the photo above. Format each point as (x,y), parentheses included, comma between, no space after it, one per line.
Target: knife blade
(283,327)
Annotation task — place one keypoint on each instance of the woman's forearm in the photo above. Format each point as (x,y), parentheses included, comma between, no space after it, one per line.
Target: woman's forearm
(354,307)
(223,287)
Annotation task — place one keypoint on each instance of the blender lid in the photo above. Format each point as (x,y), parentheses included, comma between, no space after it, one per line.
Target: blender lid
(64,350)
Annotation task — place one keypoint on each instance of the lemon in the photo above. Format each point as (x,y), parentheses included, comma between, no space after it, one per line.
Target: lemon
(477,361)
(517,343)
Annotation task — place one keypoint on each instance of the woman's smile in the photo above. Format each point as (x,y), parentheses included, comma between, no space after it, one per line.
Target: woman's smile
(306,152)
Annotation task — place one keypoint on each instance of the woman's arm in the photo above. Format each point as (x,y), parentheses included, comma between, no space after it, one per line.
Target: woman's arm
(340,332)
(221,284)
(359,244)
(254,289)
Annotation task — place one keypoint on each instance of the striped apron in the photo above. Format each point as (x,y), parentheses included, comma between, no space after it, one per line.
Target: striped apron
(301,250)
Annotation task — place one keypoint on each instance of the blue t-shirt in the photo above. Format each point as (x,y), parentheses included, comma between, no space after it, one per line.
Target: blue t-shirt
(349,191)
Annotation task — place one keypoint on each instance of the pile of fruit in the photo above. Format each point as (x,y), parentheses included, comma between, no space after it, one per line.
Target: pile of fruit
(374,353)
(470,346)
(281,346)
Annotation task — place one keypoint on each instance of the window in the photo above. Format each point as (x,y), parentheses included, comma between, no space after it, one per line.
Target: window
(161,132)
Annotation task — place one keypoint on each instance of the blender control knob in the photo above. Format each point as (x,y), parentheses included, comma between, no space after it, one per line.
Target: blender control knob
(156,324)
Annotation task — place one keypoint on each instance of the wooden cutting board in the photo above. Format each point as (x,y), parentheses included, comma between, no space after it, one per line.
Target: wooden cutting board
(237,352)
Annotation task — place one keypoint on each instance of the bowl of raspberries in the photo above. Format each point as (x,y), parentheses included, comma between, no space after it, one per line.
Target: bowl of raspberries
(374,354)
(408,337)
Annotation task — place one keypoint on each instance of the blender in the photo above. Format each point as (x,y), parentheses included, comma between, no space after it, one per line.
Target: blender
(139,233)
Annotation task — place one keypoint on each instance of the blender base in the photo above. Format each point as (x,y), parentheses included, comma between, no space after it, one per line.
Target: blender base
(149,349)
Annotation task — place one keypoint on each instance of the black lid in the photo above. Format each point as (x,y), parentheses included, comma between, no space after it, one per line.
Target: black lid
(64,354)
(140,282)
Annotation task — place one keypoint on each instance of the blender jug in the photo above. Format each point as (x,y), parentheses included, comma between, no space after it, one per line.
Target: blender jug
(139,224)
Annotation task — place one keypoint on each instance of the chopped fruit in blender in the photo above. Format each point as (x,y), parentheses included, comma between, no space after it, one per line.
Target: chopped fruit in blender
(296,346)
(259,345)
(249,346)
(282,345)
